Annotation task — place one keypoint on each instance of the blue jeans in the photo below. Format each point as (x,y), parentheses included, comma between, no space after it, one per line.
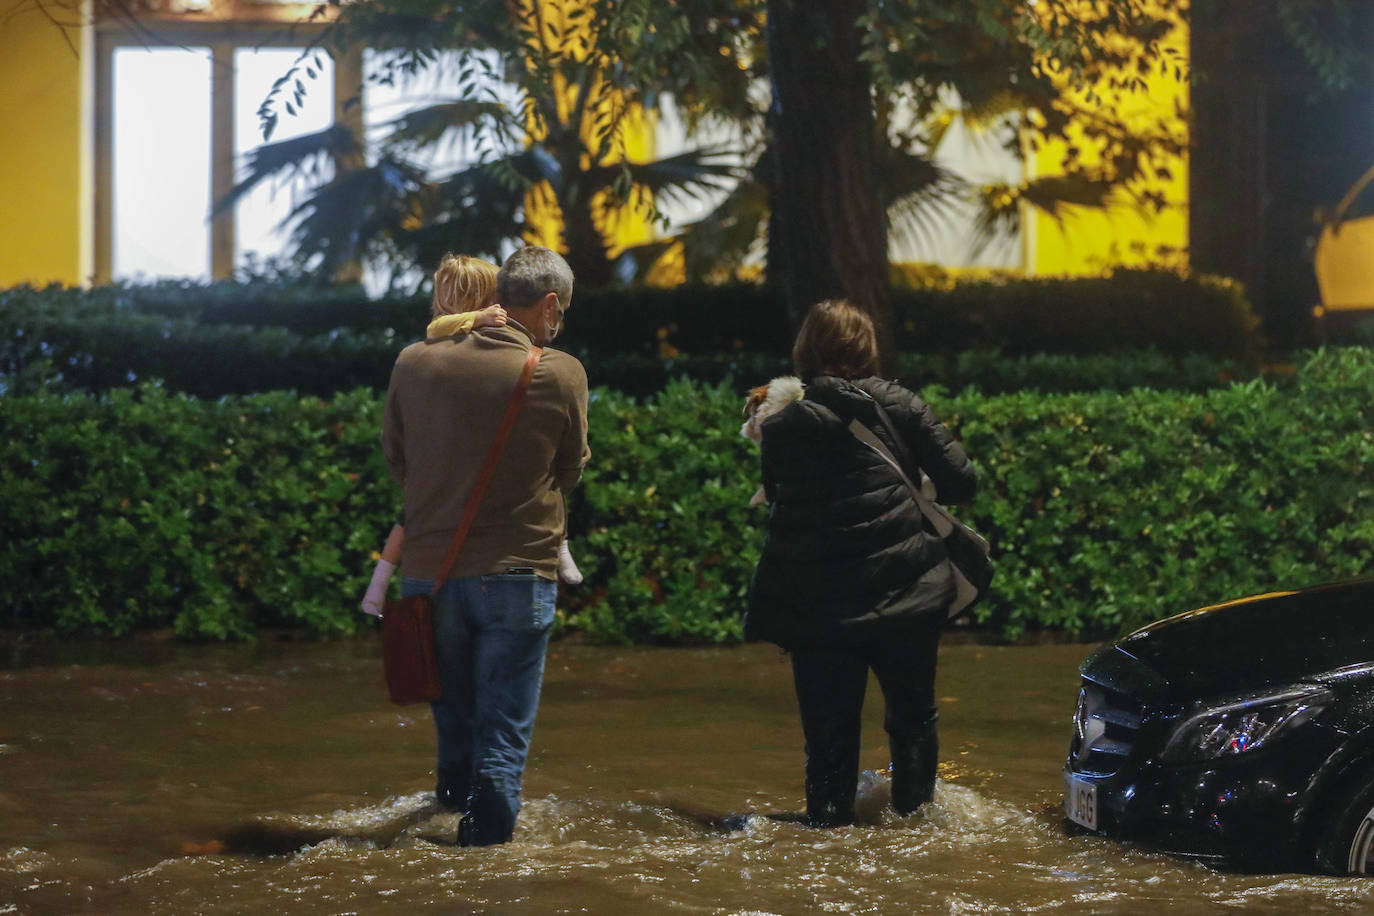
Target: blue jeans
(490,635)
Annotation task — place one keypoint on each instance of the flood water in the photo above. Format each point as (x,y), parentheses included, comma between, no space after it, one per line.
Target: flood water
(277,779)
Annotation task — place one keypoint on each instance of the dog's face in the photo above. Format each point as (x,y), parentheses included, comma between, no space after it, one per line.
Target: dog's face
(752,403)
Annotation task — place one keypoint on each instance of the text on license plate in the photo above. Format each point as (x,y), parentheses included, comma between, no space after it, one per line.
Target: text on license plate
(1080,801)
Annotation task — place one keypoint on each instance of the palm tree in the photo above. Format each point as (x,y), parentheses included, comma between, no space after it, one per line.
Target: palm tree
(557,144)
(554,142)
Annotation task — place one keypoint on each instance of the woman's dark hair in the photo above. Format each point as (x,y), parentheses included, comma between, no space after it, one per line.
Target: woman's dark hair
(837,338)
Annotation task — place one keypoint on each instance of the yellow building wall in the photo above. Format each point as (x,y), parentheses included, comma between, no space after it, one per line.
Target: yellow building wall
(46,193)
(1086,241)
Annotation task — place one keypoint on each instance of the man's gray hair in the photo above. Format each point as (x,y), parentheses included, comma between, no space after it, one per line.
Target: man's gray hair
(530,274)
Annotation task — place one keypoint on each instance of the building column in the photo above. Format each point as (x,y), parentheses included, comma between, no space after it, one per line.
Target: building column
(221,159)
(102,213)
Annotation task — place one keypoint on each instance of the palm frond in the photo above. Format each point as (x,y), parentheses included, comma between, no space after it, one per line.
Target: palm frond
(342,217)
(685,176)
(726,236)
(644,256)
(1000,205)
(718,242)
(981,113)
(922,198)
(1054,193)
(313,157)
(433,123)
(936,128)
(478,210)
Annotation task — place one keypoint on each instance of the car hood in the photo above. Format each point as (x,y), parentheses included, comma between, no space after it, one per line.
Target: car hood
(1252,643)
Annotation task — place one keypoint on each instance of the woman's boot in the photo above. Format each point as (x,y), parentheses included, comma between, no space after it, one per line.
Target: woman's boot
(915,755)
(830,797)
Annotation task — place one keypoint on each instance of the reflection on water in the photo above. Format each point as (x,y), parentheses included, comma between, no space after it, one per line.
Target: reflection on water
(279,778)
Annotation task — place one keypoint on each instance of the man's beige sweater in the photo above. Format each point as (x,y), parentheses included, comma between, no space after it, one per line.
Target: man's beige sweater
(444,403)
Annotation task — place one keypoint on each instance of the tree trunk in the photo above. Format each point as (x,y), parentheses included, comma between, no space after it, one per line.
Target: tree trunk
(586,245)
(828,226)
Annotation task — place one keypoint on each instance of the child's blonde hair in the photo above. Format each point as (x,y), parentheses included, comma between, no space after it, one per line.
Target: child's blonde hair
(463,284)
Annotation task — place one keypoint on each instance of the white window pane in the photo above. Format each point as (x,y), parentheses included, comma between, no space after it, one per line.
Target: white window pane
(259,216)
(161,163)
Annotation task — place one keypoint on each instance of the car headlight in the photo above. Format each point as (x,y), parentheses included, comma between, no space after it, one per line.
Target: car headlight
(1244,725)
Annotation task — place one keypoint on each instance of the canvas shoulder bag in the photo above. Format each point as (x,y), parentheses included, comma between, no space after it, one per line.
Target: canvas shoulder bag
(969,552)
(408,655)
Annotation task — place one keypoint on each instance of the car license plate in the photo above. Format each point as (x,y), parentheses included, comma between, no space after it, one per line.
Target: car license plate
(1080,801)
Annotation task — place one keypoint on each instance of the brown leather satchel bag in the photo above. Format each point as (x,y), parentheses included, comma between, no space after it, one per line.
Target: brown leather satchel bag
(408,655)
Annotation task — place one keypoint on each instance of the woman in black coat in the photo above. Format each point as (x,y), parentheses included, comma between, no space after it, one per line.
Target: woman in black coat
(851,576)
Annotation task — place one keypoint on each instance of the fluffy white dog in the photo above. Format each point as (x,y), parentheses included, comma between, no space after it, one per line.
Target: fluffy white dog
(762,403)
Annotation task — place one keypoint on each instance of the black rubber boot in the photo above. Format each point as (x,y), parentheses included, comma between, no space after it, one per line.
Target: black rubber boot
(489,821)
(453,787)
(830,798)
(915,756)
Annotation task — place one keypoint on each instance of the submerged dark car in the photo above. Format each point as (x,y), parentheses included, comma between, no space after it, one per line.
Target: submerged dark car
(1241,733)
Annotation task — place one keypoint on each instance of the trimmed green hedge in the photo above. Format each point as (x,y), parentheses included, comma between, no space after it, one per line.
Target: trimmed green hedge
(987,371)
(230,338)
(992,372)
(93,343)
(1105,510)
(143,508)
(1109,511)
(97,341)
(301,309)
(1136,308)
(1131,309)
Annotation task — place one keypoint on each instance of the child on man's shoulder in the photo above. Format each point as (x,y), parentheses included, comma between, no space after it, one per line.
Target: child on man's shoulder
(464,288)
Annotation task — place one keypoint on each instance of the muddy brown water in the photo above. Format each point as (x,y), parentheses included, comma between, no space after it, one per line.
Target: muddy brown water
(277,779)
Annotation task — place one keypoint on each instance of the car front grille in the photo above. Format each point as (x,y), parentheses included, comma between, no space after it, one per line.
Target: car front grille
(1105,726)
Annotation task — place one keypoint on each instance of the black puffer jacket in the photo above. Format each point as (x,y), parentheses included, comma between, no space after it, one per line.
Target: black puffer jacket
(848,554)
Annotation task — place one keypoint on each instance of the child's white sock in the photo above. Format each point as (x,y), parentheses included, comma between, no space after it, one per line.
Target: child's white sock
(567,568)
(376,591)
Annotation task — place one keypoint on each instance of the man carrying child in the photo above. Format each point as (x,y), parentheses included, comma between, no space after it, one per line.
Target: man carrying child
(493,615)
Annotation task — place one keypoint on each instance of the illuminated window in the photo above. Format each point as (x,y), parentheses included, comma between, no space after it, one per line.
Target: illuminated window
(161,163)
(176,110)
